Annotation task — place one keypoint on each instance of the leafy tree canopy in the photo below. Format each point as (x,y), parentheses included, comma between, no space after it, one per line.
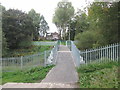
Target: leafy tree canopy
(63,14)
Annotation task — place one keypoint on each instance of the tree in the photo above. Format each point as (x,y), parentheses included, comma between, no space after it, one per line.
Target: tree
(36,22)
(103,18)
(63,14)
(85,40)
(3,43)
(71,29)
(17,26)
(78,24)
(43,26)
(100,25)
(81,22)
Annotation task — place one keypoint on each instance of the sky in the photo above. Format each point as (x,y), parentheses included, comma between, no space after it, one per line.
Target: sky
(44,7)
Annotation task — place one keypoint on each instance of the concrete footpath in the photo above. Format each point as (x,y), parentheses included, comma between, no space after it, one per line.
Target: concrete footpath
(63,75)
(64,71)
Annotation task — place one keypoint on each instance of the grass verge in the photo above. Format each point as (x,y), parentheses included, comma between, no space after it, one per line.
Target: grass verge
(103,75)
(30,76)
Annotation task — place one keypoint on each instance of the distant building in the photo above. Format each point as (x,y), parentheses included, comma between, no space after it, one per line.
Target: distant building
(52,36)
(49,36)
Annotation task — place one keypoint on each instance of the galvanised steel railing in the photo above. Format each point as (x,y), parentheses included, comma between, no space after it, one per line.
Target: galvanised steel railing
(76,55)
(100,55)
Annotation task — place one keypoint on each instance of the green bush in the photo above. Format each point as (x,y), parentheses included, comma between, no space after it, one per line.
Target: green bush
(25,44)
(85,40)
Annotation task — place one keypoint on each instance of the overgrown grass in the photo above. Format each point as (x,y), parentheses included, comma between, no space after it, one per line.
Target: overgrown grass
(104,75)
(27,51)
(30,76)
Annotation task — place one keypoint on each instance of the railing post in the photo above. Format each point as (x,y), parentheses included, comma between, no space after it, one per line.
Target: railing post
(90,55)
(44,58)
(21,62)
(101,54)
(66,43)
(113,51)
(107,53)
(86,57)
(117,50)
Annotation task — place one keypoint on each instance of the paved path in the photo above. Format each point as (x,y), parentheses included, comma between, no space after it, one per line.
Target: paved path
(63,75)
(63,48)
(64,71)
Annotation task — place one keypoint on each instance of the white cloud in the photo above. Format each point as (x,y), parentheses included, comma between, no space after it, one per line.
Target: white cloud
(44,7)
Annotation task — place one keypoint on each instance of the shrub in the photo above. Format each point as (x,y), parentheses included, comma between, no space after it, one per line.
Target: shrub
(25,43)
(85,40)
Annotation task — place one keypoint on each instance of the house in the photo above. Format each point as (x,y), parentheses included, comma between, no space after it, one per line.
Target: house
(52,36)
(55,36)
(49,36)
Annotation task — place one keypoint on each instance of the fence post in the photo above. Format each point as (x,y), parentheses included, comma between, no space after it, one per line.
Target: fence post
(101,53)
(86,56)
(90,55)
(21,62)
(44,58)
(107,53)
(113,51)
(117,50)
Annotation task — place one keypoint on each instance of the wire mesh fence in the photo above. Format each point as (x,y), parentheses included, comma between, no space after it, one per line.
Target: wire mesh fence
(26,62)
(99,55)
(23,62)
